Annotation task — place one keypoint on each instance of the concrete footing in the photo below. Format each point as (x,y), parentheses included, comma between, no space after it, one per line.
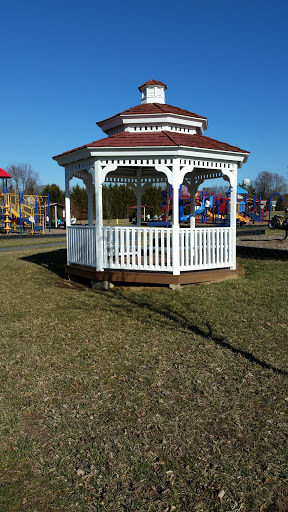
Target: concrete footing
(102,285)
(174,286)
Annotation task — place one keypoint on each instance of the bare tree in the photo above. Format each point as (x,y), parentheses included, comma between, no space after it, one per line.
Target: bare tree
(25,179)
(266,183)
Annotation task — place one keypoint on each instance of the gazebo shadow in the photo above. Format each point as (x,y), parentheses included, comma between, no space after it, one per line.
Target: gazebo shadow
(54,261)
(183,323)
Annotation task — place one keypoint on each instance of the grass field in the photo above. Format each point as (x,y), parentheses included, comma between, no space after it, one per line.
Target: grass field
(37,240)
(142,399)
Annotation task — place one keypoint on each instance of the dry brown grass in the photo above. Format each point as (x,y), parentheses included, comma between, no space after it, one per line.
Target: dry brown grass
(142,400)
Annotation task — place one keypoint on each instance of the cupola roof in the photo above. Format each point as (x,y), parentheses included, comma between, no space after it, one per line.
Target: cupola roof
(152,82)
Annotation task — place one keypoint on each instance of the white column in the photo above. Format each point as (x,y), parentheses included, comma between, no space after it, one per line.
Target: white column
(99,216)
(192,190)
(138,197)
(175,226)
(90,194)
(67,198)
(233,220)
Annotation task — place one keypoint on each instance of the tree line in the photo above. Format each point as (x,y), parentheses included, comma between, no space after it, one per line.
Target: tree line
(118,199)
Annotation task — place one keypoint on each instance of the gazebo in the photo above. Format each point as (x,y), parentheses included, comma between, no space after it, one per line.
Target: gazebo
(151,143)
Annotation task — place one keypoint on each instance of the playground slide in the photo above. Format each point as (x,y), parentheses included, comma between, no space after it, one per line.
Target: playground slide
(185,218)
(200,210)
(27,216)
(241,218)
(29,221)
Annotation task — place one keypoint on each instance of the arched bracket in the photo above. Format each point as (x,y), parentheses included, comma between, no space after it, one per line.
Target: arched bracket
(165,170)
(186,169)
(88,181)
(101,171)
(230,176)
(68,176)
(174,178)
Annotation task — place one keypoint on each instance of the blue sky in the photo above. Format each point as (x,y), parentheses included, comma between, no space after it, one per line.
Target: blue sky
(67,64)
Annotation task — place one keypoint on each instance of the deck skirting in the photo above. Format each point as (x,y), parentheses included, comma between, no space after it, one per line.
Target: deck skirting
(153,278)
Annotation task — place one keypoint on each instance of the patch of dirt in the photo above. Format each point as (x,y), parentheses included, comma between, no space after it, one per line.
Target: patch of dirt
(264,241)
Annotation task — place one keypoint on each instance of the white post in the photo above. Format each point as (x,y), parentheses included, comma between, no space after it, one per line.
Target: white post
(175,226)
(67,199)
(90,194)
(138,197)
(193,190)
(233,220)
(99,216)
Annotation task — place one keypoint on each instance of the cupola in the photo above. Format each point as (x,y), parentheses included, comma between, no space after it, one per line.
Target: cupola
(152,92)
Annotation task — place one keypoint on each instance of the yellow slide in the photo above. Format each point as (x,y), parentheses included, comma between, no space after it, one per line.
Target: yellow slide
(238,216)
(241,218)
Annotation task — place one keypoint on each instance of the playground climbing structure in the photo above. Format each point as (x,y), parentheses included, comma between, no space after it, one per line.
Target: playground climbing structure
(23,211)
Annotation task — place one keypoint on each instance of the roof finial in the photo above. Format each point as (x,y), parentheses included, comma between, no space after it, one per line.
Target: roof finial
(153,92)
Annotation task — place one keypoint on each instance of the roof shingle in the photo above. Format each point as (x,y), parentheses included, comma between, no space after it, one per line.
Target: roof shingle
(152,82)
(158,139)
(155,108)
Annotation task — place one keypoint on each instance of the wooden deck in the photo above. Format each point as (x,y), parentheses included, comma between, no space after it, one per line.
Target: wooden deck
(153,278)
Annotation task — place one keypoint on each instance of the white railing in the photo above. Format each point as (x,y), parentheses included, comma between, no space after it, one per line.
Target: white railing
(137,248)
(150,249)
(81,245)
(205,248)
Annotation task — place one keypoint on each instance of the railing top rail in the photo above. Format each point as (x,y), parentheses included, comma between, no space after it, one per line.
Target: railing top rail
(165,227)
(76,226)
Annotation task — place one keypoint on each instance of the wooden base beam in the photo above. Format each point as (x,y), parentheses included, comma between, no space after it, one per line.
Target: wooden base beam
(158,278)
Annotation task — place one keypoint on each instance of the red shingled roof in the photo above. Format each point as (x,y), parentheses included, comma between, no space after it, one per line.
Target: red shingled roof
(155,108)
(4,174)
(159,139)
(152,82)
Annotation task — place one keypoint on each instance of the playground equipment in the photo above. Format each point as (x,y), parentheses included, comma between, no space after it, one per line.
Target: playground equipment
(280,222)
(270,202)
(256,209)
(22,210)
(241,199)
(218,212)
(166,204)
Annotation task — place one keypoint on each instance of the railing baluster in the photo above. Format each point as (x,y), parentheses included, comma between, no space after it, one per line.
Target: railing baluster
(157,248)
(116,245)
(122,248)
(151,239)
(145,235)
(132,234)
(181,248)
(105,263)
(162,249)
(208,248)
(168,248)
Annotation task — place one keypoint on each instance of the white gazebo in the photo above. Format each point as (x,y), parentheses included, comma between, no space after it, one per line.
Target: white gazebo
(150,144)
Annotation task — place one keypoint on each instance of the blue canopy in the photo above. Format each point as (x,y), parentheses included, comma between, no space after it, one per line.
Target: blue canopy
(240,190)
